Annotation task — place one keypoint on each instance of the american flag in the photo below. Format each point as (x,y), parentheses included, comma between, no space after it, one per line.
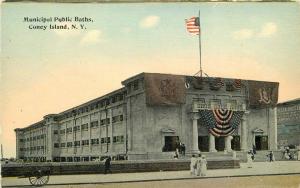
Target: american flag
(193,25)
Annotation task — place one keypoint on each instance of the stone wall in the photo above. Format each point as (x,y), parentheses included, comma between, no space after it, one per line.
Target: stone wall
(9,170)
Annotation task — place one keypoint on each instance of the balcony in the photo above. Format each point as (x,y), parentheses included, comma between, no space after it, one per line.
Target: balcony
(204,106)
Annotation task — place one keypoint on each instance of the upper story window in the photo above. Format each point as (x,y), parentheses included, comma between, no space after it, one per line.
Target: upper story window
(85,126)
(136,85)
(94,124)
(55,132)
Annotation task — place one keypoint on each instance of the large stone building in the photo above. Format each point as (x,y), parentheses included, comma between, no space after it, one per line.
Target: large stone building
(288,118)
(152,114)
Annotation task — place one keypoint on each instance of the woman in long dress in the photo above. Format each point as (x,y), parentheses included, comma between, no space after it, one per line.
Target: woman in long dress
(198,166)
(249,160)
(193,165)
(203,162)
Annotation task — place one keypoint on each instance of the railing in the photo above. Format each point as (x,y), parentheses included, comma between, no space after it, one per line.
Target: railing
(204,106)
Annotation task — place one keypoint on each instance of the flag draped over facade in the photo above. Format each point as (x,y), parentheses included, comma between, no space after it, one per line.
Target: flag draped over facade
(221,122)
(193,25)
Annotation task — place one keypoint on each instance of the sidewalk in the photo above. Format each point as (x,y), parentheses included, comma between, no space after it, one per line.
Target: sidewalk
(259,168)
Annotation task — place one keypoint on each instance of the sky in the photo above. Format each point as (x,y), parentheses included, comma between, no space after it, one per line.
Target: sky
(49,71)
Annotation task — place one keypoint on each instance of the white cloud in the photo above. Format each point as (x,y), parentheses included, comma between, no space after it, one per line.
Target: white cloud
(149,21)
(268,30)
(243,34)
(92,36)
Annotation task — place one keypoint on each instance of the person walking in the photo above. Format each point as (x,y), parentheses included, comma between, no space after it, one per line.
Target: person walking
(183,149)
(203,162)
(249,159)
(198,165)
(271,156)
(193,165)
(107,165)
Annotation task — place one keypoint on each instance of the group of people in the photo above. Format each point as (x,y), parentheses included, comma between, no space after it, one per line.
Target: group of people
(198,165)
(287,154)
(180,149)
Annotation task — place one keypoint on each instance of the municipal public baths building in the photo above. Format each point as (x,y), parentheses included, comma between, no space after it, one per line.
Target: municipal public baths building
(151,114)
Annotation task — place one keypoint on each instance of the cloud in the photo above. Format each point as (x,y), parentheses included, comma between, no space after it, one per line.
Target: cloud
(243,34)
(91,37)
(268,30)
(149,21)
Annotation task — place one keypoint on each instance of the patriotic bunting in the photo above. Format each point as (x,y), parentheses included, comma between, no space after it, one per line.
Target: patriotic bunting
(221,122)
(216,84)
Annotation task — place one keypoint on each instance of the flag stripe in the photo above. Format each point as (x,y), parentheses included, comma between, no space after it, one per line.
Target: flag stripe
(192,25)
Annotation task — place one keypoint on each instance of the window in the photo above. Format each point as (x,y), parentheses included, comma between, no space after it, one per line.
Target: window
(76,143)
(94,124)
(76,128)
(85,142)
(136,85)
(118,139)
(63,131)
(55,132)
(69,144)
(95,141)
(171,143)
(105,140)
(69,130)
(85,126)
(62,145)
(102,122)
(56,145)
(121,117)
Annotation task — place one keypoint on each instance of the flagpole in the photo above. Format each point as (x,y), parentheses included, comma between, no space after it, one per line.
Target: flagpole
(200,45)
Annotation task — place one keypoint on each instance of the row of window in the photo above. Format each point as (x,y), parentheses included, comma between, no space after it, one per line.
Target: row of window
(94,124)
(32,138)
(32,148)
(101,104)
(95,141)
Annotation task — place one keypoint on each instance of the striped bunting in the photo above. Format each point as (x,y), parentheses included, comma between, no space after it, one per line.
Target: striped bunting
(221,122)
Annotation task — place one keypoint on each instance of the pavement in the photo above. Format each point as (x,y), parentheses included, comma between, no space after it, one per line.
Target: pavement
(257,169)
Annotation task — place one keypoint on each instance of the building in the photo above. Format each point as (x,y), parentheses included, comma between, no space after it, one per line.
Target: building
(152,114)
(288,118)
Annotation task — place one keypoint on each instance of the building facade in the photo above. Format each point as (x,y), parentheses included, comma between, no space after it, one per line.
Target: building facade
(288,123)
(152,114)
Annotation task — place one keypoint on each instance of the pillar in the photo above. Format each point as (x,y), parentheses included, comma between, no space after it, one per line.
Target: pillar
(212,144)
(195,148)
(244,134)
(228,143)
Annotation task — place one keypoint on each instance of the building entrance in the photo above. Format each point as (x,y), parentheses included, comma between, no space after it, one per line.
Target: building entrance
(203,143)
(220,143)
(261,142)
(235,143)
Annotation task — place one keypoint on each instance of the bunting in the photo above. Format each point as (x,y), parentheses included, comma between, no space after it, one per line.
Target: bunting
(221,122)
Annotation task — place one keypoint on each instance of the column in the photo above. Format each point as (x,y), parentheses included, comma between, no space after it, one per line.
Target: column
(111,130)
(212,144)
(228,143)
(195,148)
(244,133)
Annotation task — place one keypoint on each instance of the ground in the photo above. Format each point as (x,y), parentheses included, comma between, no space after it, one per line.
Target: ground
(261,174)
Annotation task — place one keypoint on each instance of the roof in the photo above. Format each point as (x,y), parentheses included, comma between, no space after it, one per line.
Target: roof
(289,102)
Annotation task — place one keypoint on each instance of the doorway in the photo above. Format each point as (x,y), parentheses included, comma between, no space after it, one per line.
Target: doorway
(261,142)
(203,143)
(220,143)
